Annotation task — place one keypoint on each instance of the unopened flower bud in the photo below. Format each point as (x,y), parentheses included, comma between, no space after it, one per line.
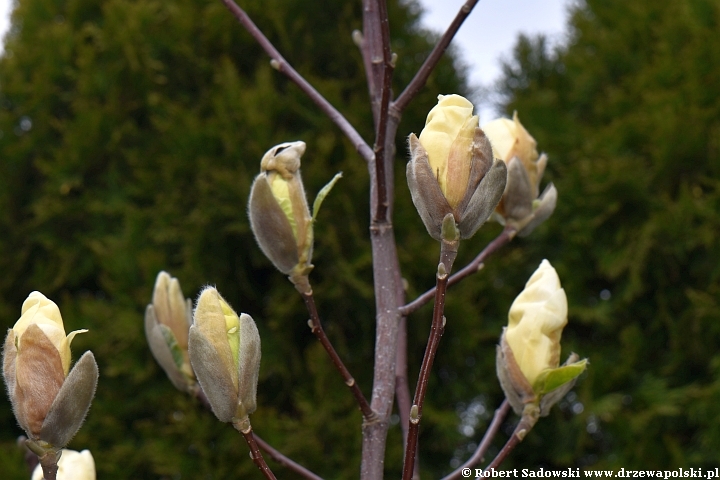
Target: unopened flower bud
(72,466)
(521,205)
(49,399)
(528,360)
(167,321)
(451,169)
(279,213)
(225,353)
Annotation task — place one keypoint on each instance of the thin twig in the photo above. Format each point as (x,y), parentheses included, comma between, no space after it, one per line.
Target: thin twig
(490,433)
(49,465)
(527,422)
(266,447)
(285,461)
(243,426)
(402,387)
(317,329)
(436,331)
(279,63)
(418,82)
(505,236)
(382,123)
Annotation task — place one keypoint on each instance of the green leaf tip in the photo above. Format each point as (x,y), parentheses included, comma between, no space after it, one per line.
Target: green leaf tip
(556,377)
(323,193)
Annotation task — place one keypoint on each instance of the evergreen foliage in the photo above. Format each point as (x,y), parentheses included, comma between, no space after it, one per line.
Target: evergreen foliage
(131,131)
(629,113)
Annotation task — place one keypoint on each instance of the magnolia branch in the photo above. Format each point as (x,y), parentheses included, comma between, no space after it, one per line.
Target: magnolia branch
(285,461)
(280,64)
(243,426)
(436,331)
(266,447)
(505,236)
(479,453)
(380,214)
(527,421)
(418,82)
(318,331)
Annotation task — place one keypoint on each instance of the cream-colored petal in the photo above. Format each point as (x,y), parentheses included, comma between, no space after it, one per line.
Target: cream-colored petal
(281,192)
(37,308)
(443,124)
(501,133)
(533,351)
(526,149)
(178,314)
(535,322)
(459,162)
(170,307)
(211,323)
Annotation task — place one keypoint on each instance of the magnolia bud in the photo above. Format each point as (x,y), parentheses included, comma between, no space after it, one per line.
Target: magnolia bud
(528,360)
(72,466)
(49,399)
(279,213)
(451,169)
(225,353)
(167,321)
(520,205)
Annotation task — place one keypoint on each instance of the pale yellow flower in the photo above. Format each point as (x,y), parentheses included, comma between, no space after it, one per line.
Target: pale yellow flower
(451,173)
(536,320)
(522,205)
(509,139)
(447,138)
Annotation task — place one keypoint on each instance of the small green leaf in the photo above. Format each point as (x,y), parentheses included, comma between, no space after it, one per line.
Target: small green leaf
(556,377)
(172,344)
(323,193)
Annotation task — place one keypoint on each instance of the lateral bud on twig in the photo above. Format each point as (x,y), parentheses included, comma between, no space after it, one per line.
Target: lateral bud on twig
(357,38)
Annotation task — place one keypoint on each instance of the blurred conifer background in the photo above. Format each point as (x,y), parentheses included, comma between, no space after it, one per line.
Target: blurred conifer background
(130,132)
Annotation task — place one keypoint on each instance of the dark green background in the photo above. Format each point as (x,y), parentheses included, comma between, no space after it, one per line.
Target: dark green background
(130,132)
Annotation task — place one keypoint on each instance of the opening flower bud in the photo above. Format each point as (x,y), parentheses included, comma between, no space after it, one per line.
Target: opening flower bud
(520,205)
(279,214)
(529,352)
(49,399)
(278,210)
(452,170)
(167,321)
(225,354)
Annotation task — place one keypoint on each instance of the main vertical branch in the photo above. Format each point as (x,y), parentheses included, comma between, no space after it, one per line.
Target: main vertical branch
(383,154)
(386,268)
